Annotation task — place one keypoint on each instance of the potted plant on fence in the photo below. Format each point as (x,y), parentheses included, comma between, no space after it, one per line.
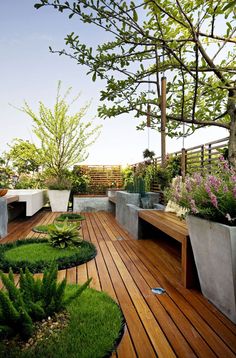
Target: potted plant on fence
(211,220)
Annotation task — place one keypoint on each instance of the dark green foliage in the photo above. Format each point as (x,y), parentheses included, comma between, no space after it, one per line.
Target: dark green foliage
(148,154)
(138,186)
(81,254)
(174,166)
(162,175)
(33,300)
(70,217)
(62,236)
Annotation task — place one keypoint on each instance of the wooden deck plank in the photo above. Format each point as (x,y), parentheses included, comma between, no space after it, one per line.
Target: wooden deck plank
(82,274)
(126,344)
(212,339)
(181,321)
(71,275)
(181,327)
(145,283)
(142,345)
(154,331)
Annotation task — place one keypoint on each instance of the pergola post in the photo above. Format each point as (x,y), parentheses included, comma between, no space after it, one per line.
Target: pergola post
(163,120)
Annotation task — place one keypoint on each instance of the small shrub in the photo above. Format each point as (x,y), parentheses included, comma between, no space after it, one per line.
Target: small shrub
(55,183)
(43,229)
(138,186)
(32,301)
(62,236)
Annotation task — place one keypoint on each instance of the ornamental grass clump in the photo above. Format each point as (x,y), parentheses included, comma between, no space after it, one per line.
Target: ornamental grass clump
(212,197)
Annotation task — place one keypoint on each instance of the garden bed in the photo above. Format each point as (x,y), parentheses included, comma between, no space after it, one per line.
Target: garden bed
(37,254)
(94,329)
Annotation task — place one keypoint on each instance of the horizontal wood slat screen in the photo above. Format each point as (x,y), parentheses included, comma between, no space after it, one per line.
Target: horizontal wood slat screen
(107,175)
(202,158)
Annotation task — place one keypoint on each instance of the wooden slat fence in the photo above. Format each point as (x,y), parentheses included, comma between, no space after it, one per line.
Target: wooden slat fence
(202,158)
(106,175)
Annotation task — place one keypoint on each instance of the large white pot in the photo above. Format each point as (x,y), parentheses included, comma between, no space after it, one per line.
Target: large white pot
(214,249)
(59,199)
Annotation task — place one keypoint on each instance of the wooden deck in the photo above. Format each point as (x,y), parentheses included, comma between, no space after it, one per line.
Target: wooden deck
(179,323)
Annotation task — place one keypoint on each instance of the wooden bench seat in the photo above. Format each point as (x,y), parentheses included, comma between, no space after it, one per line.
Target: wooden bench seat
(171,225)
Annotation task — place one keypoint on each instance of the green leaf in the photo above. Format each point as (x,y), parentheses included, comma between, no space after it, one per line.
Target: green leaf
(135,16)
(94,77)
(38,6)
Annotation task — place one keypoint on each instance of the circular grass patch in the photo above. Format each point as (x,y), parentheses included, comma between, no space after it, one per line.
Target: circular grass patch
(95,328)
(43,229)
(37,254)
(70,217)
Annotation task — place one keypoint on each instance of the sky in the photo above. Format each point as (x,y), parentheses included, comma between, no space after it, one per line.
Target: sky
(29,72)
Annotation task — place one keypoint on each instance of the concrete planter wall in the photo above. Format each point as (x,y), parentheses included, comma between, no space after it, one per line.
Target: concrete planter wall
(214,249)
(59,199)
(128,206)
(122,210)
(89,204)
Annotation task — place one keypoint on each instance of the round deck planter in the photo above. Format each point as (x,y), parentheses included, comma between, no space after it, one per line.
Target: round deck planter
(214,249)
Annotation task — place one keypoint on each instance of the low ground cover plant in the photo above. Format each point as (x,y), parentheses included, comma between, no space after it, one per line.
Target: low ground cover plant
(70,217)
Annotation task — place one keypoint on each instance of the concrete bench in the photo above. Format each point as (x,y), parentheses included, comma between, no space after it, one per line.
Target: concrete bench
(171,225)
(112,199)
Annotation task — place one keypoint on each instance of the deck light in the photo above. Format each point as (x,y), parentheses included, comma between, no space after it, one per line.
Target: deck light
(158,290)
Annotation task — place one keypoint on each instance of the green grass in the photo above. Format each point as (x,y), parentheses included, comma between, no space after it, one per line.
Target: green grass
(37,254)
(43,229)
(38,251)
(95,327)
(70,217)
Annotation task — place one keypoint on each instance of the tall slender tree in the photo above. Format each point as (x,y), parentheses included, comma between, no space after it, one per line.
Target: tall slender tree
(64,137)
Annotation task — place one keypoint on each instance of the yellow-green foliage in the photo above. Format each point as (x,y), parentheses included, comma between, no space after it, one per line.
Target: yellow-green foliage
(65,235)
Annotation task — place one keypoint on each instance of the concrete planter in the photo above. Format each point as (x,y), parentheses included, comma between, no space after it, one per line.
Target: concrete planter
(59,199)
(214,249)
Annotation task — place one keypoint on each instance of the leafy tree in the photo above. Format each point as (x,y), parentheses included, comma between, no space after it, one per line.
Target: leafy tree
(191,41)
(5,171)
(25,156)
(64,138)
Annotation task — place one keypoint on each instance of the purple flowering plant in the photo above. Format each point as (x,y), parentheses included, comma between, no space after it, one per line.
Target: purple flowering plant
(212,197)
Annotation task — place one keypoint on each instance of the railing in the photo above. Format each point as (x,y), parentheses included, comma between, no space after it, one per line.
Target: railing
(202,158)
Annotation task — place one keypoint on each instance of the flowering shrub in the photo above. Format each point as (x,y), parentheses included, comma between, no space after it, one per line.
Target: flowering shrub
(211,197)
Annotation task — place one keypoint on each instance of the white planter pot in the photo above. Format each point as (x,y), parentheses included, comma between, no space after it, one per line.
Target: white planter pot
(214,249)
(59,199)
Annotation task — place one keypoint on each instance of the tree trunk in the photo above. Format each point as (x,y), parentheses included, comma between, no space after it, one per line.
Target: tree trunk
(232,131)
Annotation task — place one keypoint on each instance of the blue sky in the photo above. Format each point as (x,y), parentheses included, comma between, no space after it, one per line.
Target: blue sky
(29,72)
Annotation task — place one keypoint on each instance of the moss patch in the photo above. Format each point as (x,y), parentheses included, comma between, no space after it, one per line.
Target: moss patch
(70,217)
(37,254)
